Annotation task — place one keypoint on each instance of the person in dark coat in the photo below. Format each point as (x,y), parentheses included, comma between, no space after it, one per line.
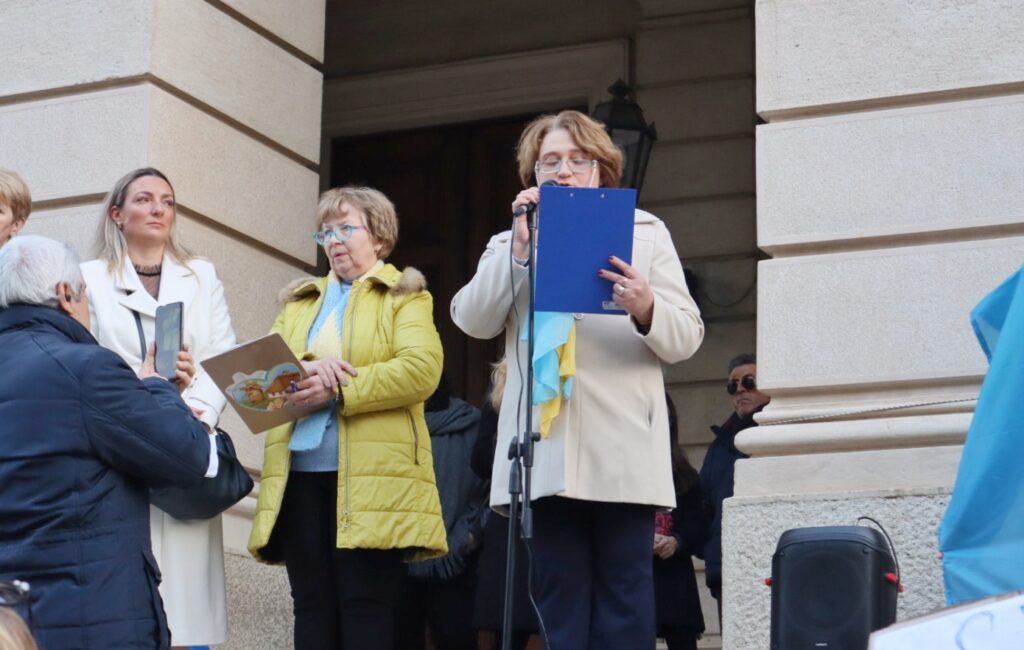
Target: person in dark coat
(489,605)
(82,438)
(679,534)
(716,474)
(439,592)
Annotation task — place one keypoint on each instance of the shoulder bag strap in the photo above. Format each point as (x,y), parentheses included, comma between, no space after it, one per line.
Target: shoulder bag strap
(142,336)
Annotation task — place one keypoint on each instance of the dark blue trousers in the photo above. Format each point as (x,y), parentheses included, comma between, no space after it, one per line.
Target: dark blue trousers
(594,580)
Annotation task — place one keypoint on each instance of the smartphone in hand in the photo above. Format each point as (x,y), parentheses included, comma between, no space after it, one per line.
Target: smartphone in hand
(168,339)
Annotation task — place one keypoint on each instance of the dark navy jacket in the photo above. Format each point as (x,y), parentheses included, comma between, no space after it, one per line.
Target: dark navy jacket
(464,496)
(716,481)
(81,439)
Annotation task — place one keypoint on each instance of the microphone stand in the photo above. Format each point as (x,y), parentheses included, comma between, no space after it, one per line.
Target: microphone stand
(521,454)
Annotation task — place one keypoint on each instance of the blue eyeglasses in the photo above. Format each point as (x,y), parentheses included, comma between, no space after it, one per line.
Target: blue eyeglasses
(341,233)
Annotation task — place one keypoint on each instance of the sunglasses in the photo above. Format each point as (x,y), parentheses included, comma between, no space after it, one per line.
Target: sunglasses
(16,594)
(748,382)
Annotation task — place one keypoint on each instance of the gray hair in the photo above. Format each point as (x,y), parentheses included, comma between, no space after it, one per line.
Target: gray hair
(111,246)
(31,267)
(745,359)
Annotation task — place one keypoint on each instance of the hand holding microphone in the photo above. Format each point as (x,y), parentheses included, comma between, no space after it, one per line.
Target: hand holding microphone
(524,204)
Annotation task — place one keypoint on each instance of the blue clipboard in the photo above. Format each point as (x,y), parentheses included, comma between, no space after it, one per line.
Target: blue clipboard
(577,229)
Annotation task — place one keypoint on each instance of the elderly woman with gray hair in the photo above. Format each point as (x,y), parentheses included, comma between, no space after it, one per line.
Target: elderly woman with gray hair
(348,492)
(142,265)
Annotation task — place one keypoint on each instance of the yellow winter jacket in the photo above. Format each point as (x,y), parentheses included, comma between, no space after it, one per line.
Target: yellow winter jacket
(387,495)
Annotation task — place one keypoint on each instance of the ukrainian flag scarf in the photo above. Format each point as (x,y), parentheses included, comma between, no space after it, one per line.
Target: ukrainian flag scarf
(554,364)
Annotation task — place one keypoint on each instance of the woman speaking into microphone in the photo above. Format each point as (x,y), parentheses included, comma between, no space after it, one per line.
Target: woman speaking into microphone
(604,465)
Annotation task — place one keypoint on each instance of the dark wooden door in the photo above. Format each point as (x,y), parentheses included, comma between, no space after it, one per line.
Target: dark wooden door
(452,187)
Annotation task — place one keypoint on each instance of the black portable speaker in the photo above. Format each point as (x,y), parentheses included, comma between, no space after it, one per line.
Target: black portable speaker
(832,586)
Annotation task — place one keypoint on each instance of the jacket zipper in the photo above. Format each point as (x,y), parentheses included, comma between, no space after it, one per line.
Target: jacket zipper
(345,509)
(415,438)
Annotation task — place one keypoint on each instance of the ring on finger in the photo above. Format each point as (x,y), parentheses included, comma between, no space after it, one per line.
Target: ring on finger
(619,289)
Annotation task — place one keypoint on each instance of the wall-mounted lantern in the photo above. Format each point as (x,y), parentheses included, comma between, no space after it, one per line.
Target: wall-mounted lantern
(624,120)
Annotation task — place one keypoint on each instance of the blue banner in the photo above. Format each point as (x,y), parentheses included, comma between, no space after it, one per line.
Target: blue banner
(982,533)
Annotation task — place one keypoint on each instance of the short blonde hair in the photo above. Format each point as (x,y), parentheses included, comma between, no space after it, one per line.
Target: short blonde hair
(15,194)
(588,134)
(110,242)
(381,218)
(14,634)
(499,376)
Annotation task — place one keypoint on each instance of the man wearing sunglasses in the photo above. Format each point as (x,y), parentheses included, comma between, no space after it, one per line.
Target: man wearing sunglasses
(716,474)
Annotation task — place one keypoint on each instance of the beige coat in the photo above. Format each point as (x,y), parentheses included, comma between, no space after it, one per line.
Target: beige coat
(610,442)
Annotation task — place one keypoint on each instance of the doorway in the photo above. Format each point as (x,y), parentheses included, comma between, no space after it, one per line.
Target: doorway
(452,187)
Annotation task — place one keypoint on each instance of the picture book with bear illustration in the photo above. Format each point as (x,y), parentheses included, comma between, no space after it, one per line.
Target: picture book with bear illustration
(256,376)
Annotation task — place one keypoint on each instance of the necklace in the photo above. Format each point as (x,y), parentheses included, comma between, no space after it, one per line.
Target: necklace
(148,271)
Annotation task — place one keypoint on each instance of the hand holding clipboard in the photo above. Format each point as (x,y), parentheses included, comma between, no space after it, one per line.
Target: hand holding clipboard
(581,230)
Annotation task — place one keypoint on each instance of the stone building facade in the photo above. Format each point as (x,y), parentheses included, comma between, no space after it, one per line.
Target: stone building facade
(843,203)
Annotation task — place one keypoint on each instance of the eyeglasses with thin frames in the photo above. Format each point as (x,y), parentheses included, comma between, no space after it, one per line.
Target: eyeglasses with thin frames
(576,166)
(340,233)
(17,593)
(748,382)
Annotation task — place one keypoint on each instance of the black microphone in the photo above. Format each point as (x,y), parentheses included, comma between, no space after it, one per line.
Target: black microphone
(530,207)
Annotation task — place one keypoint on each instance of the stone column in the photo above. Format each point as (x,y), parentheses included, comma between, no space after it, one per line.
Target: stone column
(890,185)
(224,96)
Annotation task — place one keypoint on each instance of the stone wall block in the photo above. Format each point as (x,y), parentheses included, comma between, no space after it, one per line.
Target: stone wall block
(723,340)
(695,169)
(76,225)
(695,51)
(252,278)
(45,142)
(912,468)
(898,172)
(814,54)
(300,23)
(59,43)
(899,314)
(230,178)
(214,58)
(726,287)
(710,227)
(699,406)
(700,110)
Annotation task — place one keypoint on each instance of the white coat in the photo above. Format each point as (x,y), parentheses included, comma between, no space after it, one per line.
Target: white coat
(610,442)
(190,553)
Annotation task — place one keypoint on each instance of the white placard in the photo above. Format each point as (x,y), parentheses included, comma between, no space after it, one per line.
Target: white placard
(990,624)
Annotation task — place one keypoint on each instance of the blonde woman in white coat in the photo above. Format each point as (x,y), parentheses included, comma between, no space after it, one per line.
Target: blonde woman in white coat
(142,265)
(605,466)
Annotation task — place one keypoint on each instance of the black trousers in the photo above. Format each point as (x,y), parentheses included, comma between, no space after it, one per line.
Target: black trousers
(344,599)
(445,606)
(678,638)
(594,579)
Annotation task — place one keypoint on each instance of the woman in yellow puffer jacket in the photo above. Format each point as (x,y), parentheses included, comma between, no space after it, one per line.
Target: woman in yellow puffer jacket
(348,492)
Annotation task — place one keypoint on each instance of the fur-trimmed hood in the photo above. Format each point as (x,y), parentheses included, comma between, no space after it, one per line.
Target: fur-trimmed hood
(407,281)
